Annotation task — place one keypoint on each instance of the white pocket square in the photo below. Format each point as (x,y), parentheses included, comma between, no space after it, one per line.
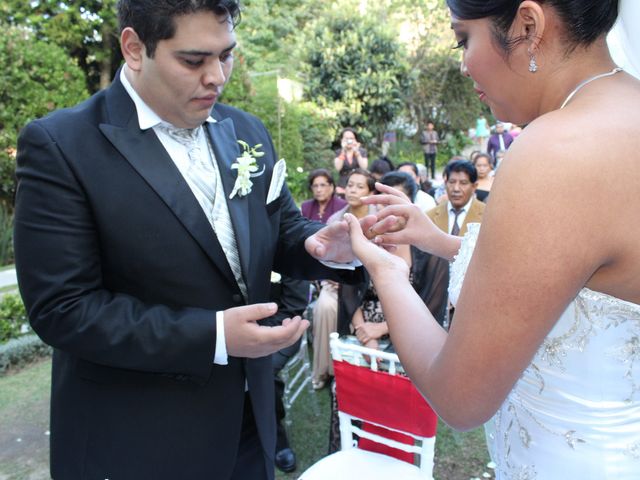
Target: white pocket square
(277,180)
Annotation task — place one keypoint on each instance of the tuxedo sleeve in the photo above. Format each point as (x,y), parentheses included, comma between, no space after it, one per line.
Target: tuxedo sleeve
(291,258)
(58,262)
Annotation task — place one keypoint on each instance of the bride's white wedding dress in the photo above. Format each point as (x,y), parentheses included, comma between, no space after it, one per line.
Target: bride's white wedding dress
(575,411)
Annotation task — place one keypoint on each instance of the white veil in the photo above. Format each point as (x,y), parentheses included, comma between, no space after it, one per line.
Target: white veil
(624,38)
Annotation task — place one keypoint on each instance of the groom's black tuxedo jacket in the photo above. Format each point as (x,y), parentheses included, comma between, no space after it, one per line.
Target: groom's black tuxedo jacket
(121,273)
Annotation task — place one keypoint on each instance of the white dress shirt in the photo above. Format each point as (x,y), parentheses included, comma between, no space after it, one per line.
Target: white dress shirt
(461,216)
(179,153)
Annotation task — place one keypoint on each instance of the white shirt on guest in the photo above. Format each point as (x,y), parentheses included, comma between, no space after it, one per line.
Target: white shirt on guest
(461,216)
(424,201)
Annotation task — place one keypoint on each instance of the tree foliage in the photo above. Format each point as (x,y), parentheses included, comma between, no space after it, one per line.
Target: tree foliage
(357,69)
(36,79)
(86,29)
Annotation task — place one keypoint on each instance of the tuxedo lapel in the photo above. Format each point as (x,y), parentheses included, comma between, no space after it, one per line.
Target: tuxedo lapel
(147,155)
(226,150)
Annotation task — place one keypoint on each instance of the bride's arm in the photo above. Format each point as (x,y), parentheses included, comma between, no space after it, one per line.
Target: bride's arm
(531,258)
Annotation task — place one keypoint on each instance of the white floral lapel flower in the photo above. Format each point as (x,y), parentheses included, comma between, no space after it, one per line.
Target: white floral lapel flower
(247,167)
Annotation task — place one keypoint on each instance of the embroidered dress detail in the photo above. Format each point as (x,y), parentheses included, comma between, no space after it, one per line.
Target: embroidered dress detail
(574,412)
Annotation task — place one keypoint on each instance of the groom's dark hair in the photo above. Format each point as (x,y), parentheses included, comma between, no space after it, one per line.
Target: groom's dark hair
(153,20)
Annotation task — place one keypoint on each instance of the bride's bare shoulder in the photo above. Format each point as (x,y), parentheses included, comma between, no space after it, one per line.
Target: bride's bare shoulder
(589,133)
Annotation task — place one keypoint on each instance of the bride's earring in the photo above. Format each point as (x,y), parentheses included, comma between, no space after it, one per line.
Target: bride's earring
(533,66)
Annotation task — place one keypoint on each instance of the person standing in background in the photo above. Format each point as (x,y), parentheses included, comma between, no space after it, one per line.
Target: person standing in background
(429,140)
(481,131)
(349,156)
(498,142)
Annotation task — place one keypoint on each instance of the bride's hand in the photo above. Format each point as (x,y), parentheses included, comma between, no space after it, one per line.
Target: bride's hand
(400,221)
(378,262)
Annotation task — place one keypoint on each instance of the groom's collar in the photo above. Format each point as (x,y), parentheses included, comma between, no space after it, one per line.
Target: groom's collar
(147,118)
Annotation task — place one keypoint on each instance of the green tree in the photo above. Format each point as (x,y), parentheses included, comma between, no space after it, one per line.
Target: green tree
(36,79)
(86,29)
(357,69)
(269,29)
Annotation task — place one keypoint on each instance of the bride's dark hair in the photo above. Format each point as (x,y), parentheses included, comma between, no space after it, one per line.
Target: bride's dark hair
(584,20)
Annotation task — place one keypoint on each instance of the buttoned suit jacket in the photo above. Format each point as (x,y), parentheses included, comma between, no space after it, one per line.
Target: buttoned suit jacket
(122,274)
(440,216)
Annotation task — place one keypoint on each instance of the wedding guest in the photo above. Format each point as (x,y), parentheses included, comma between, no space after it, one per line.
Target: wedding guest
(481,131)
(498,142)
(380,166)
(145,263)
(515,130)
(422,199)
(324,202)
(461,207)
(360,311)
(484,167)
(325,311)
(350,156)
(547,291)
(429,140)
(359,305)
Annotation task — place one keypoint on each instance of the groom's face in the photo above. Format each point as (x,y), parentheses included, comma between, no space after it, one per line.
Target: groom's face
(187,73)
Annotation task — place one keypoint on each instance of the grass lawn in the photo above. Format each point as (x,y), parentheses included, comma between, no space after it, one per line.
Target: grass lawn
(24,420)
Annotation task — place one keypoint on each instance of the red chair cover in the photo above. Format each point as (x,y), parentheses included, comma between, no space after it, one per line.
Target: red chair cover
(384,399)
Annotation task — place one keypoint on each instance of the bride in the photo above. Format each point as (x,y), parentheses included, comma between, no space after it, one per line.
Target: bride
(545,346)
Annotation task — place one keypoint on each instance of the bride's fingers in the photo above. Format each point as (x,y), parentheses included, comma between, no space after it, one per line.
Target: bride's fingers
(400,210)
(366,223)
(388,196)
(389,224)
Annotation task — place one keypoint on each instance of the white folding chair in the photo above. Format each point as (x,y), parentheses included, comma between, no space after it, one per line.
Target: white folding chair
(392,420)
(296,375)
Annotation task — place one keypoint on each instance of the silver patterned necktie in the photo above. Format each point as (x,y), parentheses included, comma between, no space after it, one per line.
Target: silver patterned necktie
(203,173)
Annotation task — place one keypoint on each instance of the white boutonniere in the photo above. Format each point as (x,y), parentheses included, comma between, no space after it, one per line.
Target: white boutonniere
(247,167)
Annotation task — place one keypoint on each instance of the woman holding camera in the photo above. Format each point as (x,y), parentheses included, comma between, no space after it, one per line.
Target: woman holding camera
(349,157)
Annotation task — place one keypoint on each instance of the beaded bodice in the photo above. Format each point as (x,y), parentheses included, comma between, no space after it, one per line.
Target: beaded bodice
(575,411)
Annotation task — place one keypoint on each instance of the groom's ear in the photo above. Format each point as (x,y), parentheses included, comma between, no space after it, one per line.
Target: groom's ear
(132,48)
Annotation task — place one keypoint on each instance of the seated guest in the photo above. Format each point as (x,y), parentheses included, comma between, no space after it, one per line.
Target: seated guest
(324,202)
(379,167)
(359,309)
(358,305)
(484,167)
(422,199)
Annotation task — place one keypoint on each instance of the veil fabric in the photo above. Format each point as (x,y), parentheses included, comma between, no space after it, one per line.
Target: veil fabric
(624,38)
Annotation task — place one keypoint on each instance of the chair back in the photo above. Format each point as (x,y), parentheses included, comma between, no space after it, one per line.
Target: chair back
(397,421)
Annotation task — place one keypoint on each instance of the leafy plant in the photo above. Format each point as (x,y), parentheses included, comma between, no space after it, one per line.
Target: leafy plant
(6,236)
(20,351)
(356,68)
(12,316)
(36,78)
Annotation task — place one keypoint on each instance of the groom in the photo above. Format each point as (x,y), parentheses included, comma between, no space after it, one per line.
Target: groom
(144,274)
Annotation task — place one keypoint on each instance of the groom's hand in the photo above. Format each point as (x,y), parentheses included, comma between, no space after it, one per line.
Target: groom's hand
(245,338)
(332,243)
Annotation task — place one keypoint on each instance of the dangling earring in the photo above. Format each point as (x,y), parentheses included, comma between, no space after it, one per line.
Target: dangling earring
(533,66)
